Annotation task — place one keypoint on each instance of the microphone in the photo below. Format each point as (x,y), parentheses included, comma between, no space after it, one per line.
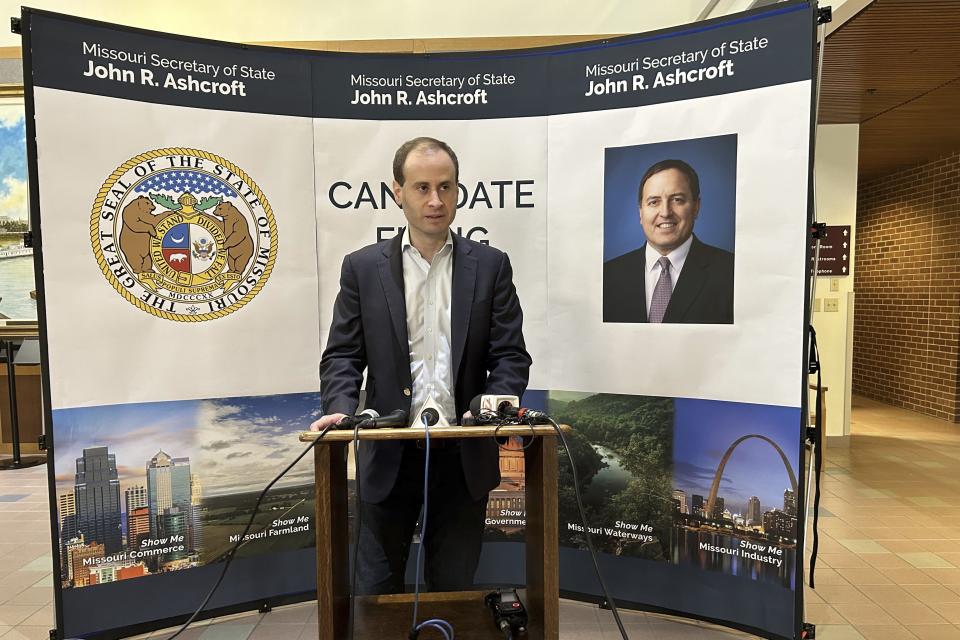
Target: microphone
(475,405)
(429,417)
(349,422)
(485,406)
(398,418)
(488,408)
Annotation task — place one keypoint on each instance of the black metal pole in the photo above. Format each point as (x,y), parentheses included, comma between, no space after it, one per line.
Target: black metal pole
(12,390)
(18,461)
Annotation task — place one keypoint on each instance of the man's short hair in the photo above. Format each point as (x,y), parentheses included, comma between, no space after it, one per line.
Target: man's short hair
(692,178)
(417,144)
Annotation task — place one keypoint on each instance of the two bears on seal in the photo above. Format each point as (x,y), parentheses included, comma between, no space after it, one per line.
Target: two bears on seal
(140,225)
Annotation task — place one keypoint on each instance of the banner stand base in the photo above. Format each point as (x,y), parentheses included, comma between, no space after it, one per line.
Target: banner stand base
(22,462)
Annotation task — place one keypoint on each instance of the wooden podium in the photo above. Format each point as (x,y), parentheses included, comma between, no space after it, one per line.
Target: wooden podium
(383,617)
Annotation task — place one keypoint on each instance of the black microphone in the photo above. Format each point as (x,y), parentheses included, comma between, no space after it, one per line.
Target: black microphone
(398,418)
(429,416)
(349,422)
(475,406)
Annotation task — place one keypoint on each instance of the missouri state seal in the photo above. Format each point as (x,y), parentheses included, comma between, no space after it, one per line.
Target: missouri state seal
(183,234)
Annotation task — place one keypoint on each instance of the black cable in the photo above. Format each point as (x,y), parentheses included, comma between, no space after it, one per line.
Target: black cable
(233,552)
(486,416)
(586,529)
(533,435)
(817,453)
(357,520)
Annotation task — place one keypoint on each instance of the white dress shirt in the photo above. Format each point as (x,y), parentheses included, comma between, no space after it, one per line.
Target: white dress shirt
(652,271)
(427,288)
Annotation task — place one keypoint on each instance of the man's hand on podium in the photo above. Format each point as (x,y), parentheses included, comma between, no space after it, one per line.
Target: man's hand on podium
(327,421)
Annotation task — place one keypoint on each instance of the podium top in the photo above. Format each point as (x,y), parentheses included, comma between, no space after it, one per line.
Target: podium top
(417,433)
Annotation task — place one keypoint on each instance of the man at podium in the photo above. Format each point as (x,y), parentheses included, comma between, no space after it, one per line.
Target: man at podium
(431,317)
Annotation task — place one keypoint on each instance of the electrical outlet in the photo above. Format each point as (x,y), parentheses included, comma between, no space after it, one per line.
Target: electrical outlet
(816,305)
(834,284)
(831,304)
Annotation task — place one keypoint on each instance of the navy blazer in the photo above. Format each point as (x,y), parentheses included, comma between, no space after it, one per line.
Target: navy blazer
(369,331)
(702,295)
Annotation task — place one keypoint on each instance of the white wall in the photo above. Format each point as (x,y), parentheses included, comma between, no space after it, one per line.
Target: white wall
(307,20)
(836,191)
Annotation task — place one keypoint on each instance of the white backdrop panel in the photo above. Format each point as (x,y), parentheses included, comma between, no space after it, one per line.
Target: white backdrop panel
(103,350)
(757,358)
(358,151)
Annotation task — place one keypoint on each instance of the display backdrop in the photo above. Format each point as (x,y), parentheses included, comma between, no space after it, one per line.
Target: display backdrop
(194,201)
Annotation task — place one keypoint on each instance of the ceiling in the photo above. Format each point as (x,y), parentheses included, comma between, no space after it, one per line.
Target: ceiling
(894,68)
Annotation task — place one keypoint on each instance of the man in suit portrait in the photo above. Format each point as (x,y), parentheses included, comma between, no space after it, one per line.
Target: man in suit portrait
(432,317)
(674,277)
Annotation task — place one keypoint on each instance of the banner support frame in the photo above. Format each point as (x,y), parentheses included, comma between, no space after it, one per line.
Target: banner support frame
(822,16)
(58,632)
(35,215)
(21,25)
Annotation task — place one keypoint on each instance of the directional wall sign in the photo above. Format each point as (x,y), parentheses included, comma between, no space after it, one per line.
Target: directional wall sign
(834,251)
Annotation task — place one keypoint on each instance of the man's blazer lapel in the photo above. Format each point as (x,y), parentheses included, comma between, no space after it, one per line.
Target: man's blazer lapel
(692,280)
(391,278)
(464,282)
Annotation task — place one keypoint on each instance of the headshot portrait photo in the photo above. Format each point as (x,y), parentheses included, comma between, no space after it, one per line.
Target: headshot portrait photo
(669,227)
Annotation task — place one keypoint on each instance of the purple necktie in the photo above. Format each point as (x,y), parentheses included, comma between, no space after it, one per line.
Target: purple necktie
(661,293)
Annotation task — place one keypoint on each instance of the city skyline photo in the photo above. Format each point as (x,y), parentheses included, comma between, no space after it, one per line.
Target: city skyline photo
(705,429)
(235,445)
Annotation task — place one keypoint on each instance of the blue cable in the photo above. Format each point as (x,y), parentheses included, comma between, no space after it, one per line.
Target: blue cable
(439,623)
(448,635)
(442,625)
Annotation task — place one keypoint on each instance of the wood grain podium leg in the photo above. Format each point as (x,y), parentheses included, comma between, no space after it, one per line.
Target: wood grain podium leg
(333,582)
(543,561)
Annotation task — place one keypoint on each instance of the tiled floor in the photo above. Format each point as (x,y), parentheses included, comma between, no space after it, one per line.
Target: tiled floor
(889,567)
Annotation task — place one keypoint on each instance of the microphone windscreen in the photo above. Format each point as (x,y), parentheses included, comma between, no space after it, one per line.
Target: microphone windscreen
(475,405)
(399,417)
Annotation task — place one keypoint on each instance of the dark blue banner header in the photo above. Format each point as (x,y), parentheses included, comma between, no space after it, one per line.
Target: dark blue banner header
(749,51)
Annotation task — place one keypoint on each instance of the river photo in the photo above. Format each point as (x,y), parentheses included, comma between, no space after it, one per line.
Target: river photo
(622,446)
(16,283)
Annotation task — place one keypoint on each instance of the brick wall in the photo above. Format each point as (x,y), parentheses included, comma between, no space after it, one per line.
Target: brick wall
(906,336)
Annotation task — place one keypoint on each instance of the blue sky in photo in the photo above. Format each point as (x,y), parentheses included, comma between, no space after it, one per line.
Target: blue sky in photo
(705,429)
(13,151)
(234,444)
